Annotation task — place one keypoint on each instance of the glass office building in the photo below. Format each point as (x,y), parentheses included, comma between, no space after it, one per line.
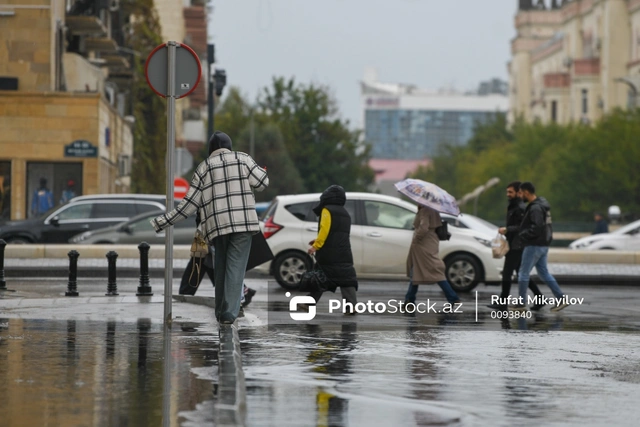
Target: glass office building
(405,123)
(416,134)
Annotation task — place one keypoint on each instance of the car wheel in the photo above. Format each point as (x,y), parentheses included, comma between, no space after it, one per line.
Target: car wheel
(17,241)
(463,272)
(289,267)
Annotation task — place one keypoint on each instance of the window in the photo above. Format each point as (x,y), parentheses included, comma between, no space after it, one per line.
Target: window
(554,111)
(5,190)
(75,211)
(585,102)
(300,210)
(379,214)
(142,207)
(350,206)
(144,225)
(454,222)
(113,210)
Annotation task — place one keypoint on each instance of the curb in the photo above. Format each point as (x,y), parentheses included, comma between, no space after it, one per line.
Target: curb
(101,272)
(231,406)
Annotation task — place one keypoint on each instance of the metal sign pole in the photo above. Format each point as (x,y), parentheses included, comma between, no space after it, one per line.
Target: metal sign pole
(171,142)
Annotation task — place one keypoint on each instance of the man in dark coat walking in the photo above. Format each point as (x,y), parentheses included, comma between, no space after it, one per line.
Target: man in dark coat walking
(536,235)
(515,213)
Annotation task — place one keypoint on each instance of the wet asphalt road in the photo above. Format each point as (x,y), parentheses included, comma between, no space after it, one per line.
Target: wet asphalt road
(577,367)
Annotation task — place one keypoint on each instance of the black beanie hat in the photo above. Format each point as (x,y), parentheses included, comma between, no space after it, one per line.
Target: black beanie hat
(219,140)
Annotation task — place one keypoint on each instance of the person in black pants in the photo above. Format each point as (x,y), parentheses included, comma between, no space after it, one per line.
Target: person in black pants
(513,258)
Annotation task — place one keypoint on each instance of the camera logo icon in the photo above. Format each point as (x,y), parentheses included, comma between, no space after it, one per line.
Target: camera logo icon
(293,307)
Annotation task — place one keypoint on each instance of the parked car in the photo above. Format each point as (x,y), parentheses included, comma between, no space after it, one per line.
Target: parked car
(138,229)
(380,245)
(626,238)
(80,214)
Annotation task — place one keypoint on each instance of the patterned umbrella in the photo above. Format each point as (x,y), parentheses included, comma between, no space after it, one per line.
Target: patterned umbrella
(428,194)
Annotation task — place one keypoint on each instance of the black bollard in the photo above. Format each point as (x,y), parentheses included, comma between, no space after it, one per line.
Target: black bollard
(112,286)
(3,283)
(144,289)
(72,286)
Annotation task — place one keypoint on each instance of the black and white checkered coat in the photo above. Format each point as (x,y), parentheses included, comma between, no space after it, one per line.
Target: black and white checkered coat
(222,191)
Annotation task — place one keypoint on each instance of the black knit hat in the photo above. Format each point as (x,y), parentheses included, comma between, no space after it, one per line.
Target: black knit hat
(219,140)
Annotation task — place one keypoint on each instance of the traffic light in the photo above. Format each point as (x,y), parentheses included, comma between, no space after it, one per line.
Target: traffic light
(220,77)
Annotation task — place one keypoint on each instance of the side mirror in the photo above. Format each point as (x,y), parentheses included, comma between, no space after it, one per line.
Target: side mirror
(55,221)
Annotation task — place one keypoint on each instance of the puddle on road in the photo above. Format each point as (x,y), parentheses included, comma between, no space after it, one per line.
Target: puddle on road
(100,373)
(339,374)
(346,375)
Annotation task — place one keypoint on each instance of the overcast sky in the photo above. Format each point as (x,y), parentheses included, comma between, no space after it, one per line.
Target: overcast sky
(429,43)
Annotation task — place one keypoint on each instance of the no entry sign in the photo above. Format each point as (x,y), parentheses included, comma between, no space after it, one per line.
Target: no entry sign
(180,187)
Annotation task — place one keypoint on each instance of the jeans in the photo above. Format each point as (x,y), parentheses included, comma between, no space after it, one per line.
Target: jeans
(512,261)
(536,256)
(232,254)
(412,292)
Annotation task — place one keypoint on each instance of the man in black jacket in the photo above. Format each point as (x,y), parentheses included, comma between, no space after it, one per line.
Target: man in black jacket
(536,235)
(515,213)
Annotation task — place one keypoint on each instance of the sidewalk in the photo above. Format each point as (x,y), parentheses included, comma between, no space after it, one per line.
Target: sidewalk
(565,273)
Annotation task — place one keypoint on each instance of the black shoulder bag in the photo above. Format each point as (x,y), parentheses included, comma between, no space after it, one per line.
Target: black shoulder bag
(443,232)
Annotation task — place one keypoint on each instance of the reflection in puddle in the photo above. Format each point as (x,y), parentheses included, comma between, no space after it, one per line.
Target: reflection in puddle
(100,373)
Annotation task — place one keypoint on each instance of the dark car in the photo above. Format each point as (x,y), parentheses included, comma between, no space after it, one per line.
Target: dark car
(136,230)
(80,214)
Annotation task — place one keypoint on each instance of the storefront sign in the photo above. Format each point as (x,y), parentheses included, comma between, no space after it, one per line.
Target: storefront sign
(80,148)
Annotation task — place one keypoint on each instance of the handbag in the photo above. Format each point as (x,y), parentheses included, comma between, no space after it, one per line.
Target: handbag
(443,231)
(499,246)
(313,280)
(199,251)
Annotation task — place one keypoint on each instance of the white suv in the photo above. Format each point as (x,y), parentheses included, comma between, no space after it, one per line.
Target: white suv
(380,245)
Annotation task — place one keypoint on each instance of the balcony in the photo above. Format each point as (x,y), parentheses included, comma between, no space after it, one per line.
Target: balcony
(586,67)
(556,80)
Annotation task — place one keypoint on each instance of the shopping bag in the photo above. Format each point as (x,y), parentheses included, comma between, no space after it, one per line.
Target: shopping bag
(499,246)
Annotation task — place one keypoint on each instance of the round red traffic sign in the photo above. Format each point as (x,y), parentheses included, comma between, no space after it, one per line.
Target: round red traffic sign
(180,187)
(187,70)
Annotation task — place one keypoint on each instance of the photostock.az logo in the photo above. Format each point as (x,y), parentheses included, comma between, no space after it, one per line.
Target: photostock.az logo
(307,301)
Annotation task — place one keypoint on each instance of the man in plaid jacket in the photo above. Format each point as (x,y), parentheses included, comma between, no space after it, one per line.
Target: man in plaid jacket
(222,192)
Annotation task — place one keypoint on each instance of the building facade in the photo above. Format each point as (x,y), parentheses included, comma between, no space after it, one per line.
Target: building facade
(404,122)
(574,60)
(63,101)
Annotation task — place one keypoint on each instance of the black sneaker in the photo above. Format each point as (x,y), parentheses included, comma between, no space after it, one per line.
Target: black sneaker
(248,296)
(226,319)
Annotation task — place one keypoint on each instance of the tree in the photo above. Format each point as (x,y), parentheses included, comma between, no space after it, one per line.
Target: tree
(149,110)
(323,148)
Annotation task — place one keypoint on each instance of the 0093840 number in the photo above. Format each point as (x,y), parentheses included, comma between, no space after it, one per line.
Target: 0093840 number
(511,314)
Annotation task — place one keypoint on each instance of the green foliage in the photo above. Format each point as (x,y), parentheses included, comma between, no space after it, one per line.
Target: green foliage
(298,137)
(579,169)
(150,128)
(323,148)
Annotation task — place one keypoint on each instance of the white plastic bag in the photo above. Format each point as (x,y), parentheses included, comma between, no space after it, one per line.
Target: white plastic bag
(499,246)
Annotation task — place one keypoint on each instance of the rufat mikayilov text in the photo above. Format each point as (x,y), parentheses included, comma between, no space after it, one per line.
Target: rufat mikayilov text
(393,306)
(536,300)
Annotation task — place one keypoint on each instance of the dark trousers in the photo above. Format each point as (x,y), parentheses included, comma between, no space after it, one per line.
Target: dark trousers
(348,294)
(189,287)
(512,261)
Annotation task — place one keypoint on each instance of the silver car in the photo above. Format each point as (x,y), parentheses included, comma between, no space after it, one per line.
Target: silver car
(137,230)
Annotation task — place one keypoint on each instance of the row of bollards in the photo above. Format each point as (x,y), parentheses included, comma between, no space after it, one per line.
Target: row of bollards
(144,288)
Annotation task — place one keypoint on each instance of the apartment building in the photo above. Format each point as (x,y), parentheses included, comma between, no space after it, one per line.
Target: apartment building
(574,60)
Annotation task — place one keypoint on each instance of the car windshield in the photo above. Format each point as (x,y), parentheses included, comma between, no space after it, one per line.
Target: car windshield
(627,228)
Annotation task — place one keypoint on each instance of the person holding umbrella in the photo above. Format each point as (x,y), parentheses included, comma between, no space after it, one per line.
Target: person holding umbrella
(424,266)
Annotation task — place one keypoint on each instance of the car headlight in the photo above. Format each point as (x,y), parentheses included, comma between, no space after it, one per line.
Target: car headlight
(81,237)
(484,242)
(581,245)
